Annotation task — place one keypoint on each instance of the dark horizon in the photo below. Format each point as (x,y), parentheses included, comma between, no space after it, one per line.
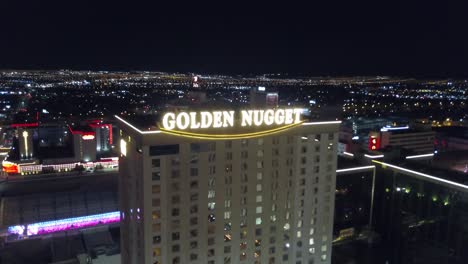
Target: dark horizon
(354,39)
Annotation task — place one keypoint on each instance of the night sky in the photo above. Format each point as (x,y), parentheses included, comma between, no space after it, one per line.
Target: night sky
(347,38)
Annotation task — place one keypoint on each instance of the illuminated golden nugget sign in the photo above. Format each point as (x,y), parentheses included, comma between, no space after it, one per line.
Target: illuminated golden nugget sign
(274,120)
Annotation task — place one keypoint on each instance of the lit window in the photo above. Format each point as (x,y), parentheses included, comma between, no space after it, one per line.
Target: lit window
(211,194)
(258,210)
(258,221)
(260,153)
(227,215)
(259,175)
(211,205)
(258,199)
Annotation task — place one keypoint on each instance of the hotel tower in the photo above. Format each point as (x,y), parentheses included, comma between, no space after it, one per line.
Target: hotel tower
(254,186)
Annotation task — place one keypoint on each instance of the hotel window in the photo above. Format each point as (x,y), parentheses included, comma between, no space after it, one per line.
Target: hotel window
(274,163)
(260,141)
(299,223)
(156,215)
(156,163)
(193,256)
(211,194)
(275,140)
(156,239)
(194,184)
(156,176)
(156,252)
(304,149)
(228,179)
(194,221)
(228,168)
(175,236)
(227,249)
(193,172)
(258,210)
(302,182)
(259,187)
(244,178)
(175,199)
(243,234)
(258,199)
(258,232)
(211,205)
(175,161)
(175,174)
(258,221)
(243,212)
(156,189)
(157,227)
(175,212)
(211,182)
(259,175)
(211,157)
(228,155)
(323,257)
(227,203)
(244,154)
(244,142)
(331,136)
(193,233)
(317,148)
(244,189)
(260,153)
(193,244)
(316,169)
(194,197)
(274,196)
(303,160)
(227,215)
(303,171)
(211,241)
(175,187)
(194,209)
(175,248)
(228,144)
(275,152)
(243,200)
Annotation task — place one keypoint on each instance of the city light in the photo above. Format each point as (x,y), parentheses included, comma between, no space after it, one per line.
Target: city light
(420,156)
(373,156)
(425,176)
(64,224)
(370,167)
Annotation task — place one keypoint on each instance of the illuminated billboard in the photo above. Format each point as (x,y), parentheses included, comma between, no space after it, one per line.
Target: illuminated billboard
(262,121)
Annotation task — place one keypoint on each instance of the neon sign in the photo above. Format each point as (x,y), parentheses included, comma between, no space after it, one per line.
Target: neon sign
(275,120)
(87,137)
(374,143)
(224,119)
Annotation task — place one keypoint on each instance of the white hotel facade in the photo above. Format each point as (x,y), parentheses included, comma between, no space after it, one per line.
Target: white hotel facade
(263,194)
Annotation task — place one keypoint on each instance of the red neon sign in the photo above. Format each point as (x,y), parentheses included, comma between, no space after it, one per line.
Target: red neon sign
(374,143)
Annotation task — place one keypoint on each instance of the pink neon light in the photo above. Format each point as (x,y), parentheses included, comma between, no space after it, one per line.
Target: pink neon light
(35,124)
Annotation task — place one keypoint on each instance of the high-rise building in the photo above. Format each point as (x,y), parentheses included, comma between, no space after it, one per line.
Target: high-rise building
(255,186)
